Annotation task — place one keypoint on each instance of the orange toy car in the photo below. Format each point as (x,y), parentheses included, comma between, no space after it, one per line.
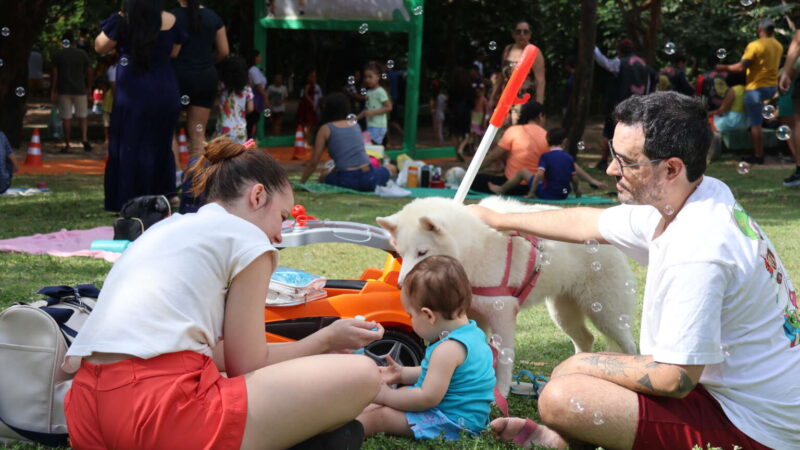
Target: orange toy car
(375,296)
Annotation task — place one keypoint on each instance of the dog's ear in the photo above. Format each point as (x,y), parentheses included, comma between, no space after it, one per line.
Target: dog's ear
(388,223)
(429,224)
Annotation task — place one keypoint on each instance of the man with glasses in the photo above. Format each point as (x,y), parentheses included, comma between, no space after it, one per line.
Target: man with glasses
(511,55)
(720,329)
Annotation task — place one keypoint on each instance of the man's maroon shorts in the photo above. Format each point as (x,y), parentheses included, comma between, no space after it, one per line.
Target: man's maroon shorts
(683,423)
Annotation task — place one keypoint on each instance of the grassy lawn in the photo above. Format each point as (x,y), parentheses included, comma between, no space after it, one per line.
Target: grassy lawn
(76,202)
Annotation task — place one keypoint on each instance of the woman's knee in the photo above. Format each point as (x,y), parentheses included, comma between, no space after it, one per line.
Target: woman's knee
(365,370)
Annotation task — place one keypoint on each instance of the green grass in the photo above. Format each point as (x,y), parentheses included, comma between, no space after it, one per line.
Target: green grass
(76,202)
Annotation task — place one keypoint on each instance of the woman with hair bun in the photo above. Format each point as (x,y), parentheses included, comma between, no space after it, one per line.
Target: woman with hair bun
(149,357)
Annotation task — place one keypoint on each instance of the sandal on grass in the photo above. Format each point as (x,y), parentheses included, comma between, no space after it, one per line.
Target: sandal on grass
(530,389)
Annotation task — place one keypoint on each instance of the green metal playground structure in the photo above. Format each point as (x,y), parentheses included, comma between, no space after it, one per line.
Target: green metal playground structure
(411,25)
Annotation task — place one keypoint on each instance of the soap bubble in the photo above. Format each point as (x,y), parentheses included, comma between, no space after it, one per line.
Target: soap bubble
(499,305)
(783,133)
(492,45)
(597,418)
(630,285)
(384,76)
(597,307)
(725,350)
(444,334)
(351,119)
(5,31)
(123,61)
(20,91)
(267,113)
(669,210)
(363,28)
(596,266)
(591,245)
(581,146)
(462,422)
(565,191)
(363,91)
(768,112)
(199,128)
(1,62)
(65,43)
(351,80)
(417,10)
(544,259)
(721,53)
(575,405)
(669,48)
(506,356)
(185,100)
(496,340)
(743,168)
(746,2)
(390,64)
(624,321)
(473,43)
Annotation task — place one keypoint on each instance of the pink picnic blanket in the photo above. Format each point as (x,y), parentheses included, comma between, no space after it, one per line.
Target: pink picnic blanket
(62,243)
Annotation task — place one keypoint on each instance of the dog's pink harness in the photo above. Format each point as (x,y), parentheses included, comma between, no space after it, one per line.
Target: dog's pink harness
(521,292)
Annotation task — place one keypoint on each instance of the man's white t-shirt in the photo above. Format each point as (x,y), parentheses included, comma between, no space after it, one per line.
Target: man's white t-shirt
(167,292)
(718,295)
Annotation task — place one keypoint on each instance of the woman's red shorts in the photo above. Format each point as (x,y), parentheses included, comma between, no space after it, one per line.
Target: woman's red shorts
(177,400)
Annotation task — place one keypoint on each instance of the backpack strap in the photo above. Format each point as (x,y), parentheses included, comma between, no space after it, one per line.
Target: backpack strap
(48,439)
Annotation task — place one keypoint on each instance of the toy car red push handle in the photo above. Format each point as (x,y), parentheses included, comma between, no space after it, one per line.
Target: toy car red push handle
(507,99)
(509,96)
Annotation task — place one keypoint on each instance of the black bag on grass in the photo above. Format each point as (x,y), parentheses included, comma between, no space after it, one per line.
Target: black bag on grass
(138,214)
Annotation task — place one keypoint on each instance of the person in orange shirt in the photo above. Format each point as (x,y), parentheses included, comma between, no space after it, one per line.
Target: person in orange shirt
(520,148)
(761,60)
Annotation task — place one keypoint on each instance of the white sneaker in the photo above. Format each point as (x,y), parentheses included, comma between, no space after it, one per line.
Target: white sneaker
(391,189)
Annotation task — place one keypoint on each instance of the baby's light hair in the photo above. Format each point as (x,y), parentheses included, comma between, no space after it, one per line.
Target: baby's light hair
(440,284)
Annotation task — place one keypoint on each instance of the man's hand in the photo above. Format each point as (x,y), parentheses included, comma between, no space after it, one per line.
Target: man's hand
(350,334)
(483,213)
(785,82)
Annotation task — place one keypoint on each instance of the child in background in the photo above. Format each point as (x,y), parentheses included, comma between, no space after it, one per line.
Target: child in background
(477,124)
(378,104)
(258,83)
(438,105)
(453,388)
(277,94)
(235,100)
(557,170)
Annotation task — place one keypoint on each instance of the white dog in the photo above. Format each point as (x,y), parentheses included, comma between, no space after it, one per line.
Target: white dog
(578,281)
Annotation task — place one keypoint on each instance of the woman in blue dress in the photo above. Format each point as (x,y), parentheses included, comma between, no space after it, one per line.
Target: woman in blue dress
(146,102)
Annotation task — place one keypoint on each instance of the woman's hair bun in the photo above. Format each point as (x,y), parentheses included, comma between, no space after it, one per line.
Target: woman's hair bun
(221,149)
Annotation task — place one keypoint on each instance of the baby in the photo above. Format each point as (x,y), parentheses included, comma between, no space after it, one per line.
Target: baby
(452,390)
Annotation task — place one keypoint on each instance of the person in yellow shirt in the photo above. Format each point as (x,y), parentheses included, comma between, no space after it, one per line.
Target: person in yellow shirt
(761,60)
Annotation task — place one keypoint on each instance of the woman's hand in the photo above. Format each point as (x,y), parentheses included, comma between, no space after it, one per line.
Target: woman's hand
(350,334)
(392,373)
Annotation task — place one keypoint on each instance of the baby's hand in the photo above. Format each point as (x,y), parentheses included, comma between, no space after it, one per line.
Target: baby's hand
(392,372)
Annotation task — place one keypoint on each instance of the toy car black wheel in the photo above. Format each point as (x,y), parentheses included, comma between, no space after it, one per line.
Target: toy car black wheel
(401,346)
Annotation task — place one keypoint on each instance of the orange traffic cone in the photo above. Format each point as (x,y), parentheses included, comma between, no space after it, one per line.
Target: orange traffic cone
(183,149)
(34,155)
(299,144)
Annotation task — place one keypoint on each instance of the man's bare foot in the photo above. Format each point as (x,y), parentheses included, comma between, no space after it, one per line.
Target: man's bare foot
(513,429)
(496,188)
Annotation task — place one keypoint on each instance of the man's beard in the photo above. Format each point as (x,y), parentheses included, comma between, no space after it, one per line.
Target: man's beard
(644,194)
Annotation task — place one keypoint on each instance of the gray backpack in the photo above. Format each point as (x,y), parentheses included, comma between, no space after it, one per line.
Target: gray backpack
(33,341)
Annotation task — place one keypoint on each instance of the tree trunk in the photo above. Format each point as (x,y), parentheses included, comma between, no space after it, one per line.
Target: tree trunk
(579,102)
(651,43)
(24,20)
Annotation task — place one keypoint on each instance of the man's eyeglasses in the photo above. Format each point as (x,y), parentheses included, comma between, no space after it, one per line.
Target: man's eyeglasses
(621,164)
(521,31)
